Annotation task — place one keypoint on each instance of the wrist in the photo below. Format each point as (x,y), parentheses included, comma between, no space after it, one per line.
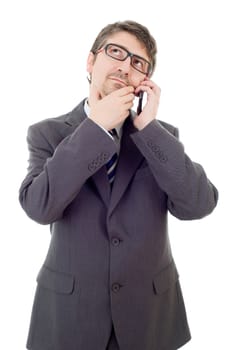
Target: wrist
(141,123)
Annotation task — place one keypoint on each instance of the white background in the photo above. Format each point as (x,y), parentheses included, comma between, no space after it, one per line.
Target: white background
(44,46)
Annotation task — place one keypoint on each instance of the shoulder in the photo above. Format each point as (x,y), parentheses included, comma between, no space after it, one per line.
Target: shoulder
(170,128)
(74,117)
(54,130)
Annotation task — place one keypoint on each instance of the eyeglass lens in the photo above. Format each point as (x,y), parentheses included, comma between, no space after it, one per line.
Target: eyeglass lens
(120,54)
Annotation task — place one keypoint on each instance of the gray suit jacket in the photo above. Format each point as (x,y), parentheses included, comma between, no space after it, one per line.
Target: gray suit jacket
(110,260)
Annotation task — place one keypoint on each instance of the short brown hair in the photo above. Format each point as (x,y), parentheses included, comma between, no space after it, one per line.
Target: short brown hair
(134,28)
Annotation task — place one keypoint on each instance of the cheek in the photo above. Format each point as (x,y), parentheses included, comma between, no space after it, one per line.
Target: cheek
(134,81)
(98,77)
(101,67)
(100,71)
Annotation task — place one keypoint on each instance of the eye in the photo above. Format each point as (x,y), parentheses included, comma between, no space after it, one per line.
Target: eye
(138,63)
(116,52)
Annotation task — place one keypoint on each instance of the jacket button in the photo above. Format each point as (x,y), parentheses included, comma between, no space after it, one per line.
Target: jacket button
(115,241)
(116,287)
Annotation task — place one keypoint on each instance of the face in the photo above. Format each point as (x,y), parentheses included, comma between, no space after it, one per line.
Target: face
(108,74)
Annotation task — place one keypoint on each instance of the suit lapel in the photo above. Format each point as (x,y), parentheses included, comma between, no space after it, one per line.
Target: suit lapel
(75,117)
(129,160)
(101,182)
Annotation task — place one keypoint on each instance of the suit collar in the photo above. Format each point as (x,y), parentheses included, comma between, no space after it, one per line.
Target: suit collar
(76,116)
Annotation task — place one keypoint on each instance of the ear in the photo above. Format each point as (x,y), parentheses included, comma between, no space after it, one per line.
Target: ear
(90,62)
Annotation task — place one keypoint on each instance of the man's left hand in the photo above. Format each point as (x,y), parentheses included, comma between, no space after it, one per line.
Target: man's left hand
(150,109)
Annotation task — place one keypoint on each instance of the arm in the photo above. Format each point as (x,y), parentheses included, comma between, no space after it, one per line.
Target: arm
(190,194)
(55,177)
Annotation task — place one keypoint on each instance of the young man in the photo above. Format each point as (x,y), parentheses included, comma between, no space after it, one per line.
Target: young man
(105,178)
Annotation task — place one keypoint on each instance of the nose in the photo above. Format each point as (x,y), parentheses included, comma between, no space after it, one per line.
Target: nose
(125,65)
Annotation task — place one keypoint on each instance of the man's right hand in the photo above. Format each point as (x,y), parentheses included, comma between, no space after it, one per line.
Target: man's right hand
(112,109)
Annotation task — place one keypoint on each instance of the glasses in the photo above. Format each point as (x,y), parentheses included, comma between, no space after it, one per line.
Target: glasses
(119,53)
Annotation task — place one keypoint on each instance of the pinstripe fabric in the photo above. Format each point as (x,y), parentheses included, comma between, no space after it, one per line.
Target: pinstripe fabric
(112,163)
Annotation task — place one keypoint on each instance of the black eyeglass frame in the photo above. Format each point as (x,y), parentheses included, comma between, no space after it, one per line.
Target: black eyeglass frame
(129,54)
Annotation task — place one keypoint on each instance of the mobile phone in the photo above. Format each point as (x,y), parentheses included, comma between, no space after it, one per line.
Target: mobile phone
(139,108)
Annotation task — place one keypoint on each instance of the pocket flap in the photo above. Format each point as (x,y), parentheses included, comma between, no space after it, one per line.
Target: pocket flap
(165,279)
(59,282)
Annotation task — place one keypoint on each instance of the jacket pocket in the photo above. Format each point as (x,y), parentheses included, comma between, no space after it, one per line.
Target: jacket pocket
(165,279)
(58,282)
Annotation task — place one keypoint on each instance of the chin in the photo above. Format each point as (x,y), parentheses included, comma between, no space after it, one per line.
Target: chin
(118,86)
(112,88)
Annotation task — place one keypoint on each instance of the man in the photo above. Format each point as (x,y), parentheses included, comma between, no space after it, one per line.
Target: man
(105,178)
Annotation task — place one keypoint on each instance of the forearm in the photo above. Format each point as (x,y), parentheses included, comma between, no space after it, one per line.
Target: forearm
(190,194)
(53,182)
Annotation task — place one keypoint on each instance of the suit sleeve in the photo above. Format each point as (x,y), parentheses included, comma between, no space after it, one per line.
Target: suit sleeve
(190,193)
(55,177)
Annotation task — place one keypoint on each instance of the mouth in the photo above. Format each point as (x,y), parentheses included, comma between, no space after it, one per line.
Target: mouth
(119,81)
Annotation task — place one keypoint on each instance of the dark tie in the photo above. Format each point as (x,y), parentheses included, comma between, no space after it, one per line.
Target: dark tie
(112,163)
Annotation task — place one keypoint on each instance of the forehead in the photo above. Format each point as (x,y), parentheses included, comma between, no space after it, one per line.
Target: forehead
(130,42)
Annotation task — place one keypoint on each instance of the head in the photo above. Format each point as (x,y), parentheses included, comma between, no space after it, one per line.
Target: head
(135,39)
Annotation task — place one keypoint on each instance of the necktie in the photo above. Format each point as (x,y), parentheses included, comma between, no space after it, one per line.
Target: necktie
(112,163)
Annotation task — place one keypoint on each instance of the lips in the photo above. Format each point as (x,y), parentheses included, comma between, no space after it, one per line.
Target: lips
(119,81)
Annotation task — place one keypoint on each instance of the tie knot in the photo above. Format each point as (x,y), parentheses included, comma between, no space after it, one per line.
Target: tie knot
(113,132)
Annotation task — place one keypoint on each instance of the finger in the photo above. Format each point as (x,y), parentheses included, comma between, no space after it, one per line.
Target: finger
(128,105)
(128,98)
(152,85)
(142,88)
(149,88)
(124,91)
